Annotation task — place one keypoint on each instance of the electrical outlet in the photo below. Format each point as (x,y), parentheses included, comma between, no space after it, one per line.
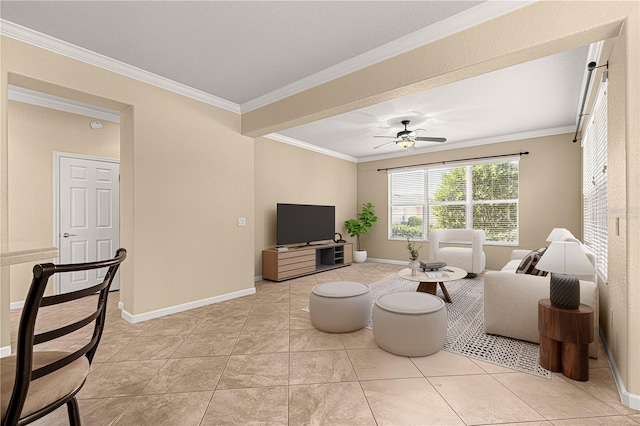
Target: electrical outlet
(242,221)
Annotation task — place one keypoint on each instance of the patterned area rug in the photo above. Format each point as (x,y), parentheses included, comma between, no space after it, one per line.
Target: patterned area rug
(465,321)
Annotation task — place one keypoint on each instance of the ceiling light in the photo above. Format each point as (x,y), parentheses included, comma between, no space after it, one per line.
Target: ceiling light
(405,143)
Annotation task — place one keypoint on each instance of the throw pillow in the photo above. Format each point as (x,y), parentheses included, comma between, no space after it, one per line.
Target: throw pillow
(528,264)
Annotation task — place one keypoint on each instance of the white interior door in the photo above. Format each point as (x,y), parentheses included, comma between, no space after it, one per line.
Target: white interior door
(88,217)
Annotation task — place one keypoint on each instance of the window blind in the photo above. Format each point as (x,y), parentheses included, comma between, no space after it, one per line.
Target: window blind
(482,195)
(594,182)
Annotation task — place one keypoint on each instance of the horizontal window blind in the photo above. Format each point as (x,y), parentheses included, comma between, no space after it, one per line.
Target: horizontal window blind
(594,182)
(473,195)
(408,188)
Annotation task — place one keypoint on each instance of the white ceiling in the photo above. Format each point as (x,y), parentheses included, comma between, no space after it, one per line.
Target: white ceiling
(255,52)
(535,98)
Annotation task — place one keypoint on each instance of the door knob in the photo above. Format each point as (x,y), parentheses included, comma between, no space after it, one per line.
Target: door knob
(67,235)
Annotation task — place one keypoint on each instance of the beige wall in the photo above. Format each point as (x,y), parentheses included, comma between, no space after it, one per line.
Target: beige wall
(186,176)
(549,189)
(34,134)
(620,295)
(288,174)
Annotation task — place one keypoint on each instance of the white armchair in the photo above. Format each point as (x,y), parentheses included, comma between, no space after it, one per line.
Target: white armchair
(471,259)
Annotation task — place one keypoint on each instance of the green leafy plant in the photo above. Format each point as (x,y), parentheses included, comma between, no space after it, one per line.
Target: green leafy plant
(400,230)
(500,220)
(414,251)
(362,225)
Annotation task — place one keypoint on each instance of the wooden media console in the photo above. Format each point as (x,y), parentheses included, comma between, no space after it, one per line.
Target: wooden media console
(296,262)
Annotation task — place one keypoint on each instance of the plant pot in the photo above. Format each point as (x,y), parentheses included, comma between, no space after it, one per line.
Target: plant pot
(359,256)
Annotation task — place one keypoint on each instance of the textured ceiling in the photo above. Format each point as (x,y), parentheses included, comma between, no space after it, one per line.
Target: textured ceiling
(234,50)
(529,98)
(245,52)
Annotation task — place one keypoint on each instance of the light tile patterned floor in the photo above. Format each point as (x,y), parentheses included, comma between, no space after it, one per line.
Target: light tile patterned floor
(258,360)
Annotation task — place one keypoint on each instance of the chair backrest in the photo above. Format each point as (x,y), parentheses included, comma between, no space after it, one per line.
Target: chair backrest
(27,337)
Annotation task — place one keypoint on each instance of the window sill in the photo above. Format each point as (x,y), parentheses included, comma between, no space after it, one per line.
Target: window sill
(487,243)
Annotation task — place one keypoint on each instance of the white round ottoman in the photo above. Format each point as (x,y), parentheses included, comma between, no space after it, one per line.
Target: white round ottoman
(410,324)
(340,307)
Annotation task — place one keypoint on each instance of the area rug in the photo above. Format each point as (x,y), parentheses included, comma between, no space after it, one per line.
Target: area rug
(465,326)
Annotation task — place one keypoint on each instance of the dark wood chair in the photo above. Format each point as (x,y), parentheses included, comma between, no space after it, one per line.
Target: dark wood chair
(36,382)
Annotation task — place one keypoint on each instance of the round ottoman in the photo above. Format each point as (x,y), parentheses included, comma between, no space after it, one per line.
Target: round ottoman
(340,307)
(410,324)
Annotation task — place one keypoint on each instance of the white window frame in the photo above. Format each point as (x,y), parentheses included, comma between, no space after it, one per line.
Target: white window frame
(594,182)
(468,203)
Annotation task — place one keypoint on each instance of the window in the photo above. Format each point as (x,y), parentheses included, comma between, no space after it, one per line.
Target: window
(481,196)
(594,182)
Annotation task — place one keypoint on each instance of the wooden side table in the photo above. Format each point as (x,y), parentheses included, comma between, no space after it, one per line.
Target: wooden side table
(565,335)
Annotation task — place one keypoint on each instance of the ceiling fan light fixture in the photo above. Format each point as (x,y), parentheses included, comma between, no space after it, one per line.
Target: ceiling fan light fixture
(406,139)
(405,143)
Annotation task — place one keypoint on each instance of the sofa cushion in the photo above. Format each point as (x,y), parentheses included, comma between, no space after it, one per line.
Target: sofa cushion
(528,264)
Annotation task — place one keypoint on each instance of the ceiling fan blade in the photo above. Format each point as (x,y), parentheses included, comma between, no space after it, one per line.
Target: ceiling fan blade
(427,139)
(394,137)
(379,146)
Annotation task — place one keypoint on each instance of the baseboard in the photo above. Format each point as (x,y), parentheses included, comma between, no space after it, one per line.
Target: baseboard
(120,305)
(17,305)
(184,307)
(5,351)
(391,261)
(257,278)
(628,399)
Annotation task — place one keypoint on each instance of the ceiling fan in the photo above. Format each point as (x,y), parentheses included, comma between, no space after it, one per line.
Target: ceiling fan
(407,138)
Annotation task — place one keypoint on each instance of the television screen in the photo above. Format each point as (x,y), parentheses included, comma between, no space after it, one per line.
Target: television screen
(304,223)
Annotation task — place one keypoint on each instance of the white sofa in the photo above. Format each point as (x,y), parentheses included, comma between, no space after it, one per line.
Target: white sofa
(511,301)
(471,259)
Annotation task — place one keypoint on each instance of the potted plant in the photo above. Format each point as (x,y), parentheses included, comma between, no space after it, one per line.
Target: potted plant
(414,252)
(361,226)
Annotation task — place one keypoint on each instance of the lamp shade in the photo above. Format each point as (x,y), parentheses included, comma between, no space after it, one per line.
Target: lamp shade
(557,234)
(565,257)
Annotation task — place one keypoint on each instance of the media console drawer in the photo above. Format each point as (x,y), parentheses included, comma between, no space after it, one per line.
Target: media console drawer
(298,265)
(296,253)
(283,275)
(278,266)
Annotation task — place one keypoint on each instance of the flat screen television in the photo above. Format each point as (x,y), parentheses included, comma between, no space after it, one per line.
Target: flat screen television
(304,223)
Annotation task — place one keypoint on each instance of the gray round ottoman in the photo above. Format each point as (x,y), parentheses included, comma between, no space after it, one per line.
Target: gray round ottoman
(340,307)
(410,324)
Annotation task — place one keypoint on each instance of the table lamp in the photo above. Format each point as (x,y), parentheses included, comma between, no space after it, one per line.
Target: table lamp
(557,234)
(565,260)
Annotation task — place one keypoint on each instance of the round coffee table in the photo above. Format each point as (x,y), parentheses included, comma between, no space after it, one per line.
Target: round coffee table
(429,285)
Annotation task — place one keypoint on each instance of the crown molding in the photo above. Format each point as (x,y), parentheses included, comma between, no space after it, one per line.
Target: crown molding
(304,145)
(440,147)
(27,96)
(475,142)
(55,45)
(476,15)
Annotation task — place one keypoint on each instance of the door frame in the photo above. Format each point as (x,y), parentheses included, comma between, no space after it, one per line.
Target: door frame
(57,155)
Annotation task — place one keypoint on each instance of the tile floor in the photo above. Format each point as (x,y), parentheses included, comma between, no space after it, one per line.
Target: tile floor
(258,360)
